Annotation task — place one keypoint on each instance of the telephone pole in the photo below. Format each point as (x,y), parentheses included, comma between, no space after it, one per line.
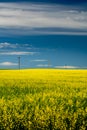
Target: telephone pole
(19,62)
(48,63)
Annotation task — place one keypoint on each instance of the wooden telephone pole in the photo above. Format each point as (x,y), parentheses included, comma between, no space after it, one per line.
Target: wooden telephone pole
(49,64)
(19,62)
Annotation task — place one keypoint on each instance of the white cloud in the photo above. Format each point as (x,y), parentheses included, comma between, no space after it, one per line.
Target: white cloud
(43,65)
(5,45)
(39,60)
(16,49)
(8,64)
(8,45)
(67,67)
(18,53)
(30,16)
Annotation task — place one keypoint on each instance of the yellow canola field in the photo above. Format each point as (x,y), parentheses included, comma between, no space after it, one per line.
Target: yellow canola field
(43,99)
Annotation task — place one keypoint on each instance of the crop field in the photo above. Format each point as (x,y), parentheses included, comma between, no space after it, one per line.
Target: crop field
(43,99)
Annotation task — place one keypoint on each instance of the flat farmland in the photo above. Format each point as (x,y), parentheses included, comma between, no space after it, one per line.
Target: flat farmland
(43,99)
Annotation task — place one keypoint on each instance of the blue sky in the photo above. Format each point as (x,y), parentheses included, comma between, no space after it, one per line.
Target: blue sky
(42,33)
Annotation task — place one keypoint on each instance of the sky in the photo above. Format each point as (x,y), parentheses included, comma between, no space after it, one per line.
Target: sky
(43,33)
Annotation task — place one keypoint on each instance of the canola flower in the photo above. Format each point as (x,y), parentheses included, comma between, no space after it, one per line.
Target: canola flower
(43,99)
